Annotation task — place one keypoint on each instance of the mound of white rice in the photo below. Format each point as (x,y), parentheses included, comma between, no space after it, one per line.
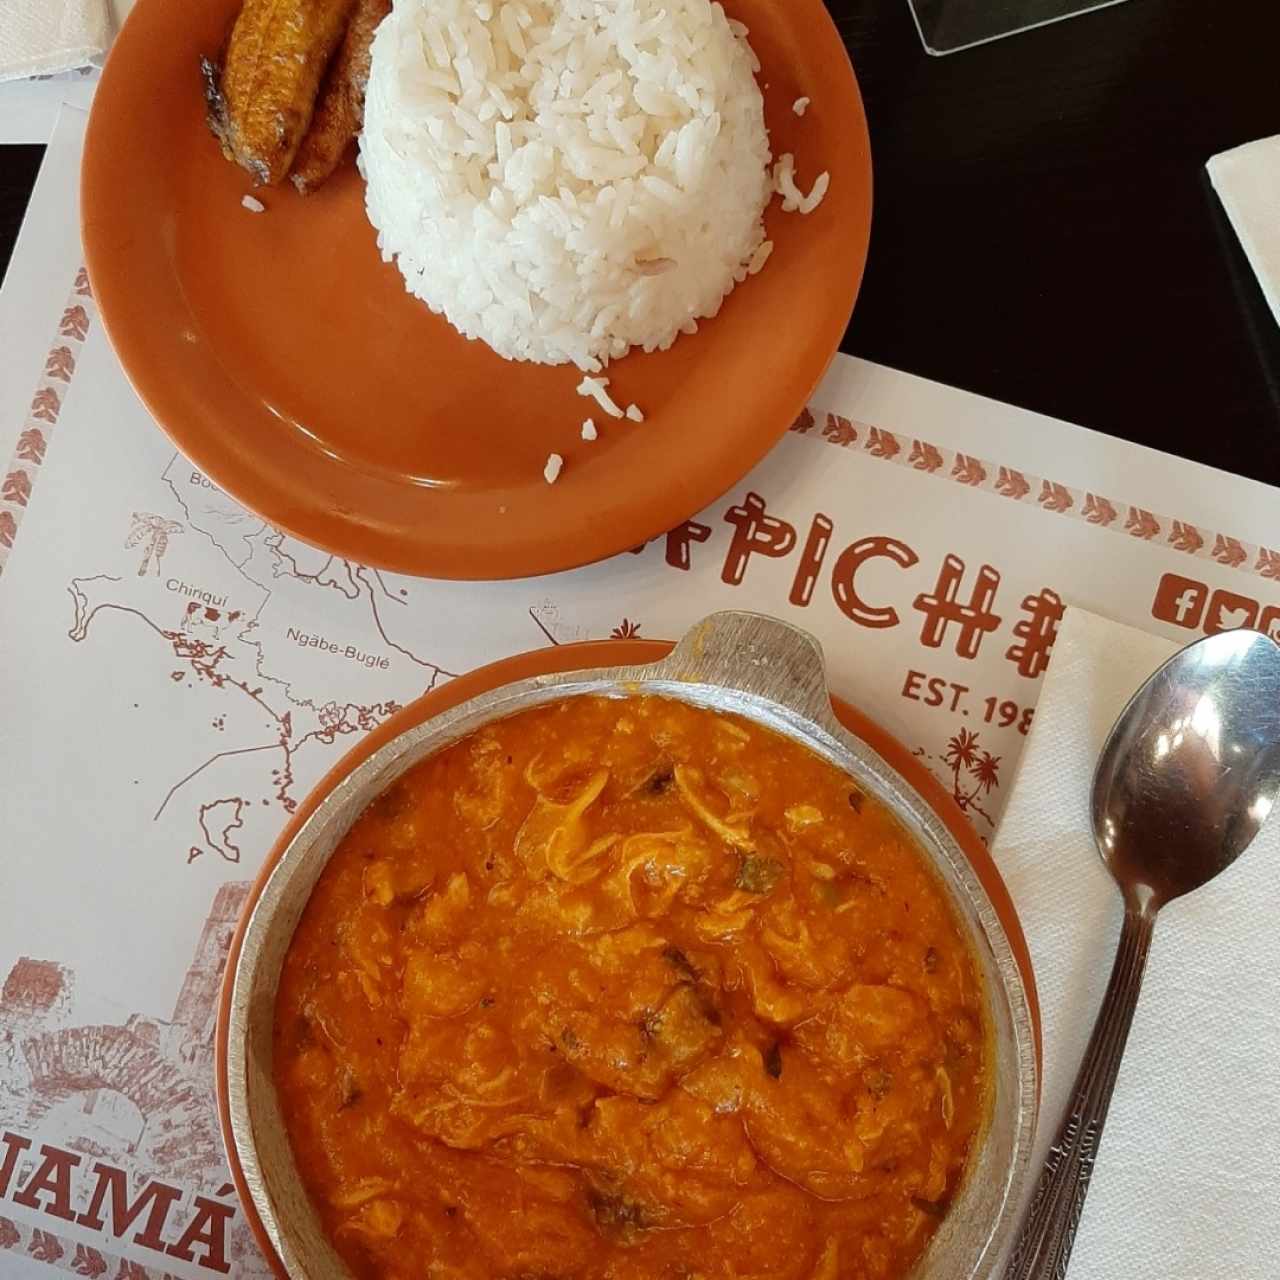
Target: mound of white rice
(566,179)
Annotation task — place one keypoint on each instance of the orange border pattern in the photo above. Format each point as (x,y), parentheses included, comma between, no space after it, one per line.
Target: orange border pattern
(74,1256)
(42,414)
(1020,486)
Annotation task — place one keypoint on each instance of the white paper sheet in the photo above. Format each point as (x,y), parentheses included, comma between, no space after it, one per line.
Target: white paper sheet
(29,108)
(1247,180)
(1195,1099)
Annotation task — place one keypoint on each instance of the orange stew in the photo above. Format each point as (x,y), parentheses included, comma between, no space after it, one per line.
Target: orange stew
(627,989)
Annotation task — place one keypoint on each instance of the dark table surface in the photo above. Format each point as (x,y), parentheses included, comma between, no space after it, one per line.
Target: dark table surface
(1044,230)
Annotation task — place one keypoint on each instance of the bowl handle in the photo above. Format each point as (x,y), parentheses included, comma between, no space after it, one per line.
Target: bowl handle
(755,654)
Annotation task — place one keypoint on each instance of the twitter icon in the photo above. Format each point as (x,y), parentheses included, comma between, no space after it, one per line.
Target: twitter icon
(1230,612)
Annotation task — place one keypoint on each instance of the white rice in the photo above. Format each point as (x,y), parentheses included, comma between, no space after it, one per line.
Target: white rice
(818,194)
(253,205)
(793,199)
(595,388)
(633,412)
(589,431)
(551,472)
(566,179)
(801,105)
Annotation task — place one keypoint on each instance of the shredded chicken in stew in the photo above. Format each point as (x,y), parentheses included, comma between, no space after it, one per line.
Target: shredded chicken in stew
(623,989)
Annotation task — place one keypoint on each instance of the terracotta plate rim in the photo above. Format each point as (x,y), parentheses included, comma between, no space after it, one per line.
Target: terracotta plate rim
(630,522)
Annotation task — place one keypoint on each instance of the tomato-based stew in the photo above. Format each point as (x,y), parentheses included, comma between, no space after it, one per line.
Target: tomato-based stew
(620,989)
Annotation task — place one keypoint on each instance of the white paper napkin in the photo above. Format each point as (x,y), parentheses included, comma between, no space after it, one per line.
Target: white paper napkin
(1247,180)
(1187,1184)
(43,37)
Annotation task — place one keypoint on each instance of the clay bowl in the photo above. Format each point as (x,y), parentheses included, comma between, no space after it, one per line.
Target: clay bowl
(753,666)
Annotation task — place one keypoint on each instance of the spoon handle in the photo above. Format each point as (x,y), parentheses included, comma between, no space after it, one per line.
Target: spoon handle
(1043,1248)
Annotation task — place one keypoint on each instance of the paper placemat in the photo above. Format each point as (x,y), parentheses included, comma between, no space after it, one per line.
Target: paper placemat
(176,674)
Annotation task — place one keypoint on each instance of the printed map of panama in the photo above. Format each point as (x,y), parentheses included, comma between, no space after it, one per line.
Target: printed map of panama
(295,654)
(224,640)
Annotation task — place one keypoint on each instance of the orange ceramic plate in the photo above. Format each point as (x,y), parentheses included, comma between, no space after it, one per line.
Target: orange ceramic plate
(584,657)
(286,360)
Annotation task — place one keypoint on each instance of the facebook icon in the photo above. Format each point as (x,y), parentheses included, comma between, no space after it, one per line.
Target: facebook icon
(1180,600)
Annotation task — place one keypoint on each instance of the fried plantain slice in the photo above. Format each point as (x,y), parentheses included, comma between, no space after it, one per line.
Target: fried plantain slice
(339,110)
(262,103)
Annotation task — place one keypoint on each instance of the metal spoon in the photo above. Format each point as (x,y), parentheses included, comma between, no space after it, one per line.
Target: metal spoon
(1186,778)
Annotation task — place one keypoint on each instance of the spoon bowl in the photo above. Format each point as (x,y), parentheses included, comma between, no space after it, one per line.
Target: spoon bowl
(1191,768)
(1185,781)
